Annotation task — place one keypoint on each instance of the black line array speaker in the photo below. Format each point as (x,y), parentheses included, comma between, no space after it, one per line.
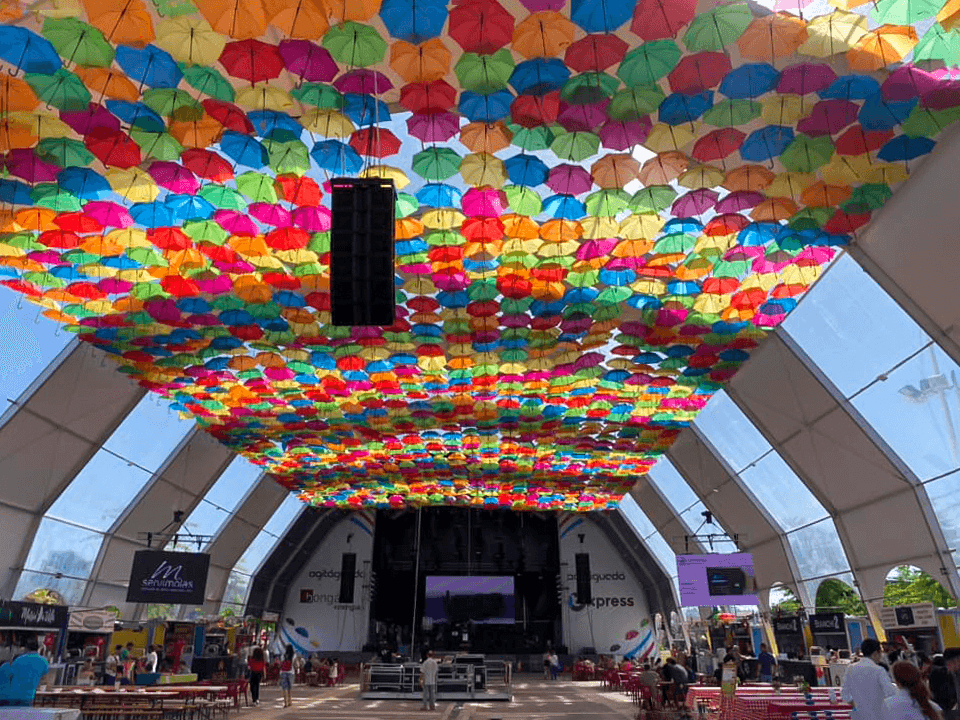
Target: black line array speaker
(584,594)
(348,571)
(362,252)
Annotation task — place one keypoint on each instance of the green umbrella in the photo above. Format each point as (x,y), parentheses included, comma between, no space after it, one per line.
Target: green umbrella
(923,122)
(866,198)
(587,278)
(444,238)
(809,218)
(54,197)
(307,269)
(78,42)
(481,290)
(44,279)
(289,156)
(406,205)
(319,95)
(354,44)
(227,302)
(731,268)
(649,62)
(635,103)
(575,146)
(78,310)
(731,113)
(484,74)
(209,82)
(614,296)
(806,154)
(257,187)
(652,200)
(64,152)
(717,27)
(523,200)
(675,243)
(905,12)
(62,90)
(535,138)
(436,163)
(607,202)
(207,230)
(173,103)
(22,240)
(589,88)
(225,198)
(157,145)
(938,44)
(319,242)
(146,256)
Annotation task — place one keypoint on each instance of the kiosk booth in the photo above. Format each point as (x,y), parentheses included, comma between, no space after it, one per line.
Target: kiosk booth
(916,624)
(19,620)
(788,632)
(829,631)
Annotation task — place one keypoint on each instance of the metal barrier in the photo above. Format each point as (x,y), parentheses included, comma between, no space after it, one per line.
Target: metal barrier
(454,680)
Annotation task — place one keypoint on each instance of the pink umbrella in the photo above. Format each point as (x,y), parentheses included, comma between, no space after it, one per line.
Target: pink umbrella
(112,286)
(569,179)
(51,257)
(235,222)
(582,117)
(743,253)
(215,285)
(309,61)
(24,163)
(205,319)
(820,254)
(791,4)
(829,117)
(485,202)
(279,373)
(764,265)
(312,219)
(695,202)
(740,200)
(538,5)
(108,214)
(620,135)
(806,78)
(591,249)
(83,121)
(238,267)
(174,177)
(908,82)
(270,214)
(363,80)
(438,127)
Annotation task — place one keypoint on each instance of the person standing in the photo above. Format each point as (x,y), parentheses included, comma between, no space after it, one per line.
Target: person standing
(257,666)
(912,699)
(554,666)
(286,676)
(150,661)
(20,678)
(866,684)
(766,663)
(429,669)
(110,668)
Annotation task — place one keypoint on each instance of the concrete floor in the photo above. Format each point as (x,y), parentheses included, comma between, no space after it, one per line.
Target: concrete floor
(534,699)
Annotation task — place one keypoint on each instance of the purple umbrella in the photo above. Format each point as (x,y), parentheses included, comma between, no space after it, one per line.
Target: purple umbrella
(24,163)
(309,61)
(174,177)
(620,135)
(364,81)
(806,78)
(312,219)
(538,5)
(96,116)
(108,214)
(829,117)
(164,311)
(583,117)
(695,202)
(942,98)
(113,286)
(270,214)
(740,200)
(908,82)
(569,179)
(236,222)
(438,127)
(487,202)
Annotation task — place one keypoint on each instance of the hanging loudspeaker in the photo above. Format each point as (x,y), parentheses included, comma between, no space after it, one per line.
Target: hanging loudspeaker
(348,571)
(584,595)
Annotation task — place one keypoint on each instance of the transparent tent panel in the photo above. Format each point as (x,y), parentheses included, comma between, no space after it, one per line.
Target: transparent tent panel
(100,492)
(944,494)
(148,433)
(645,529)
(223,497)
(735,438)
(817,550)
(59,548)
(70,588)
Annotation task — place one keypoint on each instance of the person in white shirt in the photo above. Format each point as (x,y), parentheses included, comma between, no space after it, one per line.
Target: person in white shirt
(150,661)
(866,684)
(912,699)
(429,669)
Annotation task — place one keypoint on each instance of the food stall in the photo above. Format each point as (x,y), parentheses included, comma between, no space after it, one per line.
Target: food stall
(794,657)
(48,623)
(829,631)
(916,624)
(88,638)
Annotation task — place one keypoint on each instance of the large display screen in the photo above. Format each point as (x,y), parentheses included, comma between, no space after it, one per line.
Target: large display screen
(716,579)
(463,598)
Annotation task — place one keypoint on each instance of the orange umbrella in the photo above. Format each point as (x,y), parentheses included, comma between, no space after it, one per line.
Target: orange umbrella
(748,177)
(122,23)
(561,230)
(36,219)
(949,15)
(240,19)
(772,36)
(881,47)
(543,34)
(615,170)
(359,10)
(198,134)
(774,210)
(303,19)
(425,62)
(15,135)
(520,227)
(104,82)
(822,195)
(16,95)
(663,168)
(486,137)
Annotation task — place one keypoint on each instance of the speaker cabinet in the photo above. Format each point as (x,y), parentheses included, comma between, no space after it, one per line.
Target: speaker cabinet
(584,593)
(348,572)
(362,252)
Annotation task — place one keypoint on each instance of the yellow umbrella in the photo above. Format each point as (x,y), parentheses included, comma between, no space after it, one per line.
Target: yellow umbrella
(889,173)
(881,47)
(264,96)
(702,176)
(790,184)
(834,33)
(846,169)
(425,62)
(388,172)
(597,228)
(190,39)
(327,122)
(59,9)
(665,137)
(134,184)
(443,219)
(39,123)
(784,109)
(479,169)
(949,15)
(642,227)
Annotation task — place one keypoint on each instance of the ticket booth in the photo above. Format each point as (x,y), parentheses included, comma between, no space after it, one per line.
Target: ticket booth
(916,624)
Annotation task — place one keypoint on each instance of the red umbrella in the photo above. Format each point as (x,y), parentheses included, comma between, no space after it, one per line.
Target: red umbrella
(698,72)
(481,26)
(252,60)
(288,238)
(207,164)
(718,144)
(228,115)
(169,238)
(726,224)
(535,110)
(302,191)
(179,286)
(857,141)
(85,290)
(431,97)
(375,142)
(59,239)
(843,222)
(78,222)
(113,148)
(658,19)
(595,53)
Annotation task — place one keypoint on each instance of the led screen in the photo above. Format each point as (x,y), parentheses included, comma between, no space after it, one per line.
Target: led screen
(458,599)
(716,579)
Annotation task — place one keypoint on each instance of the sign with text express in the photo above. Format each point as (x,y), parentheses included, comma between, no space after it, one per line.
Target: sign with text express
(168,577)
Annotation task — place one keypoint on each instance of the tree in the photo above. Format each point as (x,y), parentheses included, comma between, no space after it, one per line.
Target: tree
(908,584)
(788,603)
(836,596)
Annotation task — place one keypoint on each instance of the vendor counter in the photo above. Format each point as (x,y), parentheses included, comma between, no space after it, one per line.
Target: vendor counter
(789,669)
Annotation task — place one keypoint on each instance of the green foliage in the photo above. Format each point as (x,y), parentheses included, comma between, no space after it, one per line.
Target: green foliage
(789,603)
(45,596)
(836,596)
(912,585)
(156,612)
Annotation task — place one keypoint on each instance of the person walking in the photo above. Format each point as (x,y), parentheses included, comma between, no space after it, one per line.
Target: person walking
(912,699)
(866,684)
(554,666)
(286,676)
(257,666)
(429,669)
(766,662)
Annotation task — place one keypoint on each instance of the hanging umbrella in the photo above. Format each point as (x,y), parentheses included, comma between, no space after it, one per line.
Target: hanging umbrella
(436,96)
(539,76)
(64,152)
(174,177)
(62,89)
(595,53)
(857,141)
(375,142)
(92,117)
(569,179)
(754,178)
(582,117)
(600,16)
(24,163)
(78,42)
(908,82)
(575,146)
(543,34)
(290,156)
(484,74)
(190,39)
(698,72)
(252,60)
(133,184)
(834,33)
(355,45)
(806,154)
(414,20)
(207,164)
(718,144)
(207,81)
(615,171)
(829,117)
(27,51)
(228,115)
(485,137)
(905,12)
(649,62)
(695,202)
(436,163)
(307,60)
(717,27)
(363,81)
(701,176)
(160,146)
(485,108)
(766,143)
(526,170)
(173,103)
(530,139)
(771,37)
(623,135)
(421,63)
(664,168)
(806,78)
(905,148)
(665,137)
(679,108)
(136,114)
(750,81)
(657,19)
(243,149)
(336,157)
(881,47)
(481,26)
(149,66)
(114,149)
(327,122)
(259,187)
(635,103)
(534,111)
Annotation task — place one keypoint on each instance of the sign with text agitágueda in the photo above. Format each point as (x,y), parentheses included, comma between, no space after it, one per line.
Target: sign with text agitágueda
(168,577)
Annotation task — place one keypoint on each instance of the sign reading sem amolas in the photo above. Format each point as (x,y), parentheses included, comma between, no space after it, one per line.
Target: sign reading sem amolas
(168,577)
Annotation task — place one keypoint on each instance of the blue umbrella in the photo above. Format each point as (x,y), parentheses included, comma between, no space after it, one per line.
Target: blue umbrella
(879,114)
(27,51)
(226,342)
(851,87)
(365,109)
(683,287)
(618,277)
(750,81)
(244,149)
(84,183)
(152,215)
(236,317)
(189,207)
(527,170)
(439,195)
(904,147)
(485,108)
(121,262)
(758,234)
(149,66)
(68,273)
(15,192)
(679,108)
(136,114)
(289,299)
(337,157)
(539,76)
(600,16)
(266,122)
(564,207)
(682,225)
(414,20)
(766,143)
(193,305)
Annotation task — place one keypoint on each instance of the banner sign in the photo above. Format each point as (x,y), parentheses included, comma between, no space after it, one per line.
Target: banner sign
(32,615)
(904,617)
(168,577)
(787,625)
(825,623)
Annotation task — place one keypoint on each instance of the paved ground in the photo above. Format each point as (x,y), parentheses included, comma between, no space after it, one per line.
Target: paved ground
(534,699)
